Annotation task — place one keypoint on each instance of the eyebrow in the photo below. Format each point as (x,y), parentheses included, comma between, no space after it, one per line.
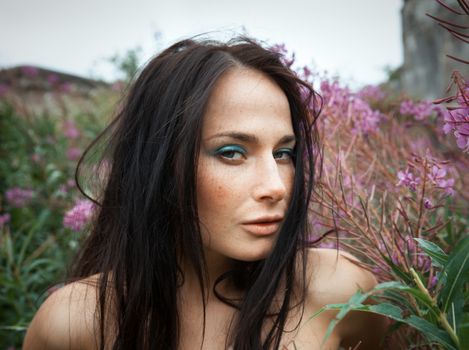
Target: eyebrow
(249,138)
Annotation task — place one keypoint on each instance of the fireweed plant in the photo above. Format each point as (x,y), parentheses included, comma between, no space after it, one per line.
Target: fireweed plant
(41,212)
(456,113)
(392,191)
(395,201)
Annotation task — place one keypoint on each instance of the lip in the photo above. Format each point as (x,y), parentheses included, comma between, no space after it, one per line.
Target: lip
(265,219)
(263,226)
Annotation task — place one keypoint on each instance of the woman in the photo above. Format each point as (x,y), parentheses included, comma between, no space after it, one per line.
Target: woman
(200,237)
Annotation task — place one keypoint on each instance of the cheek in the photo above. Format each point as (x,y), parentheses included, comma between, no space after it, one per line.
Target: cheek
(217,194)
(288,176)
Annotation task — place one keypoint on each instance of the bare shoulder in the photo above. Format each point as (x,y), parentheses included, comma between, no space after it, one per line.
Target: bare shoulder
(334,277)
(66,318)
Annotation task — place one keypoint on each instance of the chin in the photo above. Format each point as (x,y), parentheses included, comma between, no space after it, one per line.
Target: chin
(254,254)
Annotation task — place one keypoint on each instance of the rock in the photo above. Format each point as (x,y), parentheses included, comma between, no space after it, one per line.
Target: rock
(426,71)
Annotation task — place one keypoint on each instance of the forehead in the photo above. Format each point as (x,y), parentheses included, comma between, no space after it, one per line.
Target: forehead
(247,100)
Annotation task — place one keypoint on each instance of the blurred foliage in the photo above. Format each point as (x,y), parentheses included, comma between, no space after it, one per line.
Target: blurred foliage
(410,233)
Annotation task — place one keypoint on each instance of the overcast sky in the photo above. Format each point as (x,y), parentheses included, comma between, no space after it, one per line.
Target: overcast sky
(354,39)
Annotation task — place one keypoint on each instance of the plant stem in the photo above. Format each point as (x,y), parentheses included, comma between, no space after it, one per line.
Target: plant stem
(442,317)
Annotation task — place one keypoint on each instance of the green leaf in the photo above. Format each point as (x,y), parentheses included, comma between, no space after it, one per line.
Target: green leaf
(396,298)
(464,332)
(397,271)
(355,303)
(427,329)
(431,332)
(415,292)
(456,270)
(438,256)
(33,230)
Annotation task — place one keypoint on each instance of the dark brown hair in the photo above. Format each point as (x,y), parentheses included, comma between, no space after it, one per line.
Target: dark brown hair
(147,211)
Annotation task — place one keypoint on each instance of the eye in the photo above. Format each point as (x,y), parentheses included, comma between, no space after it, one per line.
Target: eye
(284,154)
(231,153)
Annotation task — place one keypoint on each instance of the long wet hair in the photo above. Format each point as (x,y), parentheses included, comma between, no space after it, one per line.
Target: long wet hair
(146,212)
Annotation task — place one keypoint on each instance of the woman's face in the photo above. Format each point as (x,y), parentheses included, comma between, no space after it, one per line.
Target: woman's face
(245,170)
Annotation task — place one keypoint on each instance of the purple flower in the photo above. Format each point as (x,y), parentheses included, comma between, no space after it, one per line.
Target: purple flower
(437,176)
(65,187)
(118,86)
(36,158)
(70,129)
(457,119)
(283,52)
(30,71)
(395,258)
(65,87)
(371,93)
(18,197)
(77,217)
(407,107)
(410,244)
(423,262)
(433,282)
(52,79)
(73,153)
(406,178)
(4,218)
(420,111)
(327,244)
(364,118)
(427,203)
(3,89)
(306,73)
(341,102)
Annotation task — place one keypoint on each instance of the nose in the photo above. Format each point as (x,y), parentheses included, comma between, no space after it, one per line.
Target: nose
(270,184)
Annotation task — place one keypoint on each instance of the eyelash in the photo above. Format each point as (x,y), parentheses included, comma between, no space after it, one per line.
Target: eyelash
(223,151)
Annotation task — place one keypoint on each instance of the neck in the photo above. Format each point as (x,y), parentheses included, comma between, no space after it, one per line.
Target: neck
(216,266)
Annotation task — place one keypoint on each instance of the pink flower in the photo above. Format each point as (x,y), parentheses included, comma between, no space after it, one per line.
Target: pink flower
(423,262)
(63,189)
(30,71)
(407,107)
(73,153)
(457,120)
(70,129)
(419,111)
(65,87)
(365,119)
(306,73)
(437,176)
(4,218)
(328,244)
(70,184)
(283,52)
(77,217)
(341,102)
(433,282)
(406,178)
(427,203)
(118,86)
(3,89)
(18,197)
(371,93)
(36,158)
(52,79)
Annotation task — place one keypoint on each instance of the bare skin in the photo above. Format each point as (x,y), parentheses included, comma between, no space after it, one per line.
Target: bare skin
(245,173)
(66,319)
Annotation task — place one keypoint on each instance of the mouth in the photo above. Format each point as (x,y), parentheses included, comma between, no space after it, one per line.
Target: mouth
(263,226)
